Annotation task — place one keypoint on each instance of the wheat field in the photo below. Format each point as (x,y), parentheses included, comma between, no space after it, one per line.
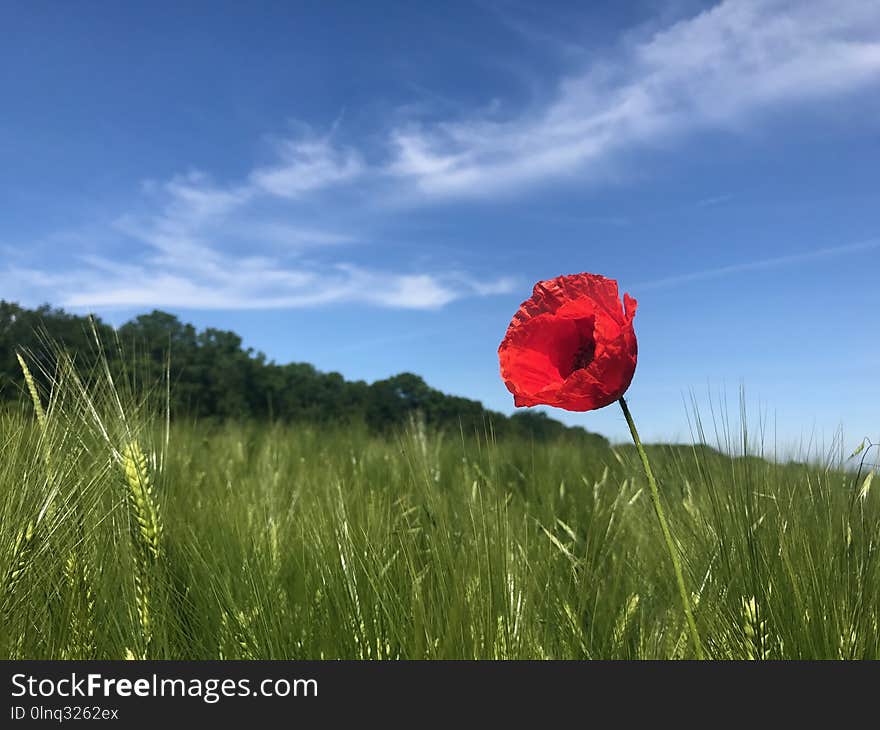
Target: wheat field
(126,535)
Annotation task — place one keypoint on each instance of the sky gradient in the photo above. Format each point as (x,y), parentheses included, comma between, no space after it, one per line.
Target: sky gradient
(375,187)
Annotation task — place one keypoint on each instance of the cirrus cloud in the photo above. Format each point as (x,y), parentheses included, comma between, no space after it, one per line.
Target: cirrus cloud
(281,235)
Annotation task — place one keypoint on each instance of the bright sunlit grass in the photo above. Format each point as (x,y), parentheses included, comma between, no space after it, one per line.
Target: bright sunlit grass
(124,536)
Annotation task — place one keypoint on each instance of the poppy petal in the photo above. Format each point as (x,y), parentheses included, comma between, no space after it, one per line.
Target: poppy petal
(571,344)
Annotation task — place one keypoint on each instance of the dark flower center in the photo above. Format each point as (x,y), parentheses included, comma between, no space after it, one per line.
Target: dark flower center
(584,355)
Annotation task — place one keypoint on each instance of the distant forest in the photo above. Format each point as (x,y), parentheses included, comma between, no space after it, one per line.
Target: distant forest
(213,375)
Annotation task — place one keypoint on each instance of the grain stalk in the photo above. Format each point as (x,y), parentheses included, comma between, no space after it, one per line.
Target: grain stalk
(35,395)
(146,533)
(667,534)
(77,572)
(81,641)
(25,540)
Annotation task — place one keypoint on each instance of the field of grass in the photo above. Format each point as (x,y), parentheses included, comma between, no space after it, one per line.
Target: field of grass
(122,535)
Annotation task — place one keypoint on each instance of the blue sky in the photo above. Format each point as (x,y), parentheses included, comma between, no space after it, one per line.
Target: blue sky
(374,187)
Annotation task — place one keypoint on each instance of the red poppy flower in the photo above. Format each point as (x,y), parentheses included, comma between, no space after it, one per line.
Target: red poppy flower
(571,345)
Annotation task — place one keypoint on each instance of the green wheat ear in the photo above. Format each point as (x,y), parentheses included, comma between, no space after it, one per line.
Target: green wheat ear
(754,630)
(81,640)
(21,555)
(147,532)
(32,389)
(140,494)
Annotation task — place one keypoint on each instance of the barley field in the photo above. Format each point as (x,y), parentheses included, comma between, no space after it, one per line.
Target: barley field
(125,535)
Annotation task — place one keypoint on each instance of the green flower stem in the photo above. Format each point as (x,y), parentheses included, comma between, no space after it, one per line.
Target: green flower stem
(667,535)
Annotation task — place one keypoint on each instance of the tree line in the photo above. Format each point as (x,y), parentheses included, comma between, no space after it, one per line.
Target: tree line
(212,375)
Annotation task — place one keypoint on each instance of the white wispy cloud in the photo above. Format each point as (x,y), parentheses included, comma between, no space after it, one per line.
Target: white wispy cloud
(307,165)
(244,244)
(276,236)
(714,200)
(717,69)
(203,245)
(773,262)
(246,285)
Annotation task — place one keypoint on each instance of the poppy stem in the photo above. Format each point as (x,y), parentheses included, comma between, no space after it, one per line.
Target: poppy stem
(664,528)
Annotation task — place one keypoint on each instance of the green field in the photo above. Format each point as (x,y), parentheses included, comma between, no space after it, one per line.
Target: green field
(123,535)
